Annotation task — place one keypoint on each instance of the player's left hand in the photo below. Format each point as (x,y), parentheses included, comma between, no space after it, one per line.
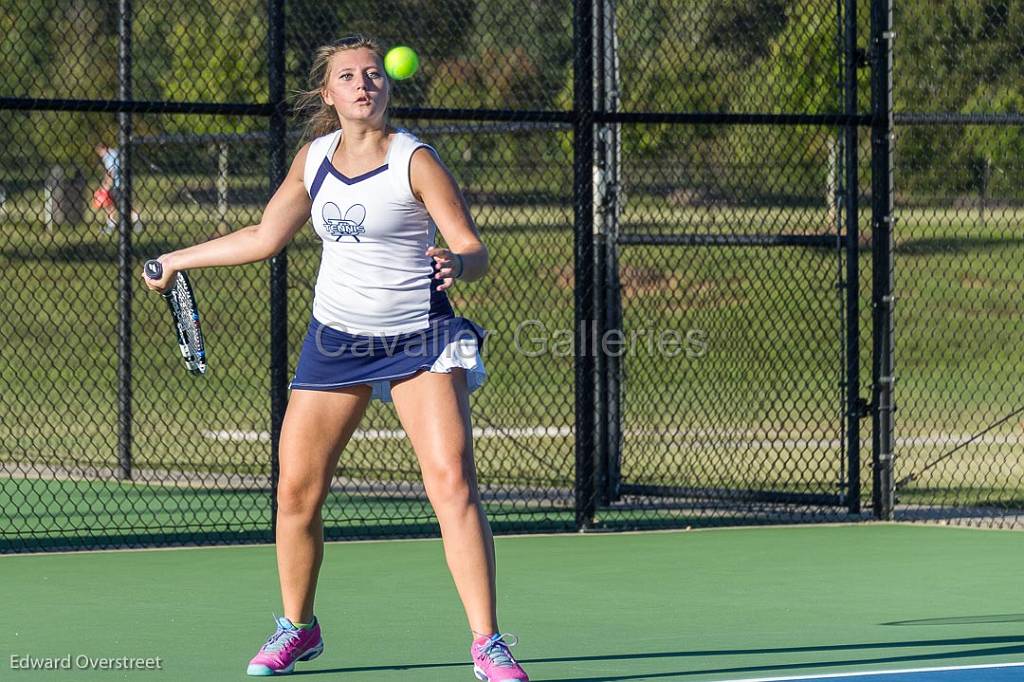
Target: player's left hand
(446,265)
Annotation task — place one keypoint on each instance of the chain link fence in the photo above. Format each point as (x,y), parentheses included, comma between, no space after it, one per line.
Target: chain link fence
(687,305)
(958,262)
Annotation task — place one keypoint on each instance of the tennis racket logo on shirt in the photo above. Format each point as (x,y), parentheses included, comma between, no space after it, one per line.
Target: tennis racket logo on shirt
(349,226)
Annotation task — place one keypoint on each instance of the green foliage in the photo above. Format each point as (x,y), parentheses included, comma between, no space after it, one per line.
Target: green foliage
(521,51)
(963,56)
(214,56)
(56,49)
(694,56)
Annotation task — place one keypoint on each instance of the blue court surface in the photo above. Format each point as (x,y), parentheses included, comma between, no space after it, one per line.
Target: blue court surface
(999,672)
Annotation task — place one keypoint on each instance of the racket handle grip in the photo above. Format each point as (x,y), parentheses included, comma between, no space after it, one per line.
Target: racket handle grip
(154,269)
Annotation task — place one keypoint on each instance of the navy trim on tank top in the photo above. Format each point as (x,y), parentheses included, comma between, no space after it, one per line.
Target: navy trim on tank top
(327,168)
(440,306)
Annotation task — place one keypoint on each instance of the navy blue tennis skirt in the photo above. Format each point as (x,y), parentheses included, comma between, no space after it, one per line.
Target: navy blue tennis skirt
(331,358)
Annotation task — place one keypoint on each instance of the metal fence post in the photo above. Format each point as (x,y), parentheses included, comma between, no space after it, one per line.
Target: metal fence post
(606,277)
(583,250)
(279,263)
(124,245)
(882,257)
(600,281)
(852,202)
(606,299)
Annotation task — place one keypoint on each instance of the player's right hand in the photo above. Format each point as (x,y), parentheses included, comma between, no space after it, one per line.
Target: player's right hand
(163,283)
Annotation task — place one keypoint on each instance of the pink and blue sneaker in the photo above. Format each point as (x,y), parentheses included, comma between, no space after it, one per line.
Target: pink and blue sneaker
(493,662)
(287,645)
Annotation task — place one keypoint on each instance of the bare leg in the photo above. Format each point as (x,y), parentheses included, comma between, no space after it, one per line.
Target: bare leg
(434,410)
(317,426)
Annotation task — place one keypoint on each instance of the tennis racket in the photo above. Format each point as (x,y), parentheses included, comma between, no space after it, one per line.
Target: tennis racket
(182,303)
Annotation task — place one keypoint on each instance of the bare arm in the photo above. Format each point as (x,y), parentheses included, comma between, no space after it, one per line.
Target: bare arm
(285,213)
(436,188)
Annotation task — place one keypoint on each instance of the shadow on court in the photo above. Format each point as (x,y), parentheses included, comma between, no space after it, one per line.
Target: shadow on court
(963,620)
(784,667)
(1015,646)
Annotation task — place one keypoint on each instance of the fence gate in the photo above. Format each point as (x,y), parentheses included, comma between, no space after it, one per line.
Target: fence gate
(726,298)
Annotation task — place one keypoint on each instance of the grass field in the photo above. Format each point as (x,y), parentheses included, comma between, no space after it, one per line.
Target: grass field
(759,407)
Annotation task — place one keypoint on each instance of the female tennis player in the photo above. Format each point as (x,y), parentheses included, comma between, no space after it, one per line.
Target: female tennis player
(382,327)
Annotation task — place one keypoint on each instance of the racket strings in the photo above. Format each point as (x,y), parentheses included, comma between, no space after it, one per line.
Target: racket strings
(188,317)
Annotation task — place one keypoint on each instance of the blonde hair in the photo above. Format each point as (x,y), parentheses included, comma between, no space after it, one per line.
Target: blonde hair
(321,117)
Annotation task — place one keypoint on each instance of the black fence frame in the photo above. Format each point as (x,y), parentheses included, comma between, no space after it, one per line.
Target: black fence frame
(597,431)
(850,120)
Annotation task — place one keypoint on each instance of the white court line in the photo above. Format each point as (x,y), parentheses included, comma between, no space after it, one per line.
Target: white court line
(880,672)
(734,438)
(399,434)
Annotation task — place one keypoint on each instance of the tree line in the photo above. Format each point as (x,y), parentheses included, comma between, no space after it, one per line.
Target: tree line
(699,55)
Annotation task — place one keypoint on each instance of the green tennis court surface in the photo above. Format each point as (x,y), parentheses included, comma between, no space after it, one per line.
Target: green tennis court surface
(709,605)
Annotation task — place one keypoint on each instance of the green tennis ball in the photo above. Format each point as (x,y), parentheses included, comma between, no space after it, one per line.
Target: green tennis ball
(401,62)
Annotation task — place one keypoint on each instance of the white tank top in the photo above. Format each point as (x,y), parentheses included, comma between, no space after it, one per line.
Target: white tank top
(375,277)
